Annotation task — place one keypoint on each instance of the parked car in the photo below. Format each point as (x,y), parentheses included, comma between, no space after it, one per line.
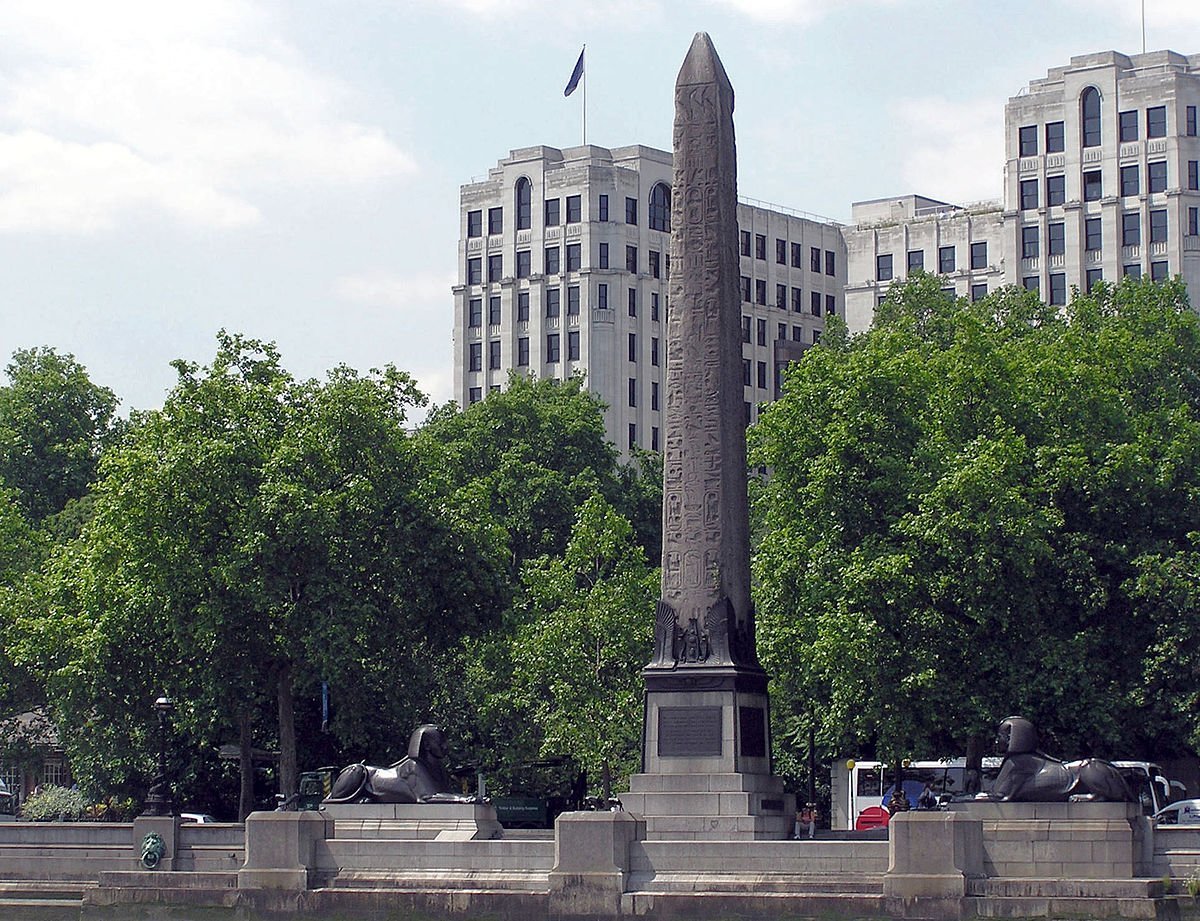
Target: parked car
(199,818)
(1184,812)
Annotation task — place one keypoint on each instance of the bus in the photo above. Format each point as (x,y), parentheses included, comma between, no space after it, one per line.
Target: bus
(858,786)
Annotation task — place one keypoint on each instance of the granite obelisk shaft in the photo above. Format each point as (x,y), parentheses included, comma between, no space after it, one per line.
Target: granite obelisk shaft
(705,616)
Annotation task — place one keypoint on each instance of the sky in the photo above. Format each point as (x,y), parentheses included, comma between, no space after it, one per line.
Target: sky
(290,169)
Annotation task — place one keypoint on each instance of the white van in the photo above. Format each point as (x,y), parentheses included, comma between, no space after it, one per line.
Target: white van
(1184,812)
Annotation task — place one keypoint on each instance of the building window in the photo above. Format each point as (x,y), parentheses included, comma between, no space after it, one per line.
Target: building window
(1091,278)
(495,267)
(761,329)
(660,208)
(797,256)
(1156,122)
(523,352)
(575,208)
(495,220)
(631,260)
(574,257)
(1156,176)
(475,357)
(1027,140)
(1193,222)
(552,348)
(552,266)
(744,237)
(945,259)
(474,271)
(553,301)
(602,296)
(494,355)
(1056,239)
(916,259)
(1029,242)
(781,297)
(655,263)
(978,292)
(475,312)
(654,398)
(1031,283)
(1158,225)
(1093,238)
(761,370)
(1131,228)
(1132,270)
(475,223)
(797,295)
(552,212)
(1055,137)
(814,259)
(1056,190)
(780,251)
(475,395)
(1129,180)
(760,291)
(602,209)
(654,307)
(523,263)
(814,302)
(573,301)
(573,345)
(1158,271)
(745,328)
(760,246)
(1058,288)
(493,311)
(631,211)
(523,306)
(1029,194)
(654,351)
(1089,106)
(830,263)
(654,438)
(524,204)
(883,266)
(1093,188)
(1193,175)
(1191,121)
(1128,126)
(781,331)
(604,255)
(632,435)
(830,305)
(633,347)
(632,302)
(633,388)
(746,289)
(979,256)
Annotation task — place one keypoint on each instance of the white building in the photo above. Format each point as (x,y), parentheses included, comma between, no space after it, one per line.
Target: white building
(563,263)
(1101,180)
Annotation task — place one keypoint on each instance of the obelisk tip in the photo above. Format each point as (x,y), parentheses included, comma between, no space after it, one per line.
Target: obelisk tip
(702,65)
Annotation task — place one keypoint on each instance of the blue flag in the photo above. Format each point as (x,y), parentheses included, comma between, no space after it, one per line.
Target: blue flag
(576,75)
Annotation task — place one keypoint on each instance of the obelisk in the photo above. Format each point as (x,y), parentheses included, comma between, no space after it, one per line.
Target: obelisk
(706,769)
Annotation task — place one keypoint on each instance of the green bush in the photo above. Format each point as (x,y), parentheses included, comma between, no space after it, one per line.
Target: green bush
(54,802)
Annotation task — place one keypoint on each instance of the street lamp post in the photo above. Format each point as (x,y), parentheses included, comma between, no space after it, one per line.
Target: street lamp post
(158,798)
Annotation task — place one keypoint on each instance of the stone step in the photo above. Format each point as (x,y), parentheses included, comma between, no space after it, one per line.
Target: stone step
(42,889)
(760,905)
(729,883)
(1017,887)
(507,880)
(166,879)
(1090,908)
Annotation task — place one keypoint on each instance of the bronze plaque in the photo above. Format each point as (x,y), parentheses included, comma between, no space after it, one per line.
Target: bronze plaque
(754,732)
(689,732)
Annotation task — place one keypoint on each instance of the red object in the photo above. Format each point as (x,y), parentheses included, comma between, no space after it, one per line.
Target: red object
(872,817)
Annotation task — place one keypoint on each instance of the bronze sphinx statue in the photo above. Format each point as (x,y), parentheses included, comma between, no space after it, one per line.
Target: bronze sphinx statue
(1027,775)
(419,777)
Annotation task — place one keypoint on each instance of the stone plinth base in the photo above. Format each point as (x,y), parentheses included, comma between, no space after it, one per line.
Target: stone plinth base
(725,807)
(281,849)
(592,861)
(439,821)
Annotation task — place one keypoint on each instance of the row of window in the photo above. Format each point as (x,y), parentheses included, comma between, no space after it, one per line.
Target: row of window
(1159,271)
(1093,187)
(758,295)
(947,260)
(1093,238)
(781,332)
(658,264)
(659,216)
(815,261)
(1128,126)
(552,299)
(553,351)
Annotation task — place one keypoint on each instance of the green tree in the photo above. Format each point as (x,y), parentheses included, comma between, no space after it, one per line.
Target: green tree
(586,635)
(53,423)
(957,504)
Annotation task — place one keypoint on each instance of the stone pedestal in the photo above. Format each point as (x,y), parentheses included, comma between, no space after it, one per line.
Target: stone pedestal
(932,857)
(592,862)
(440,821)
(166,827)
(280,849)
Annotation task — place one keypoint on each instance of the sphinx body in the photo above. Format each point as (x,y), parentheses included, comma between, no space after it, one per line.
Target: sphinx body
(419,777)
(1027,775)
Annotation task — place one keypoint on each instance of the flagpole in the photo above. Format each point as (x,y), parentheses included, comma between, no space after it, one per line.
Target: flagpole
(585,97)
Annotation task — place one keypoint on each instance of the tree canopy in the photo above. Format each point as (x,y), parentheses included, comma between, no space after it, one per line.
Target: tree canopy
(967,508)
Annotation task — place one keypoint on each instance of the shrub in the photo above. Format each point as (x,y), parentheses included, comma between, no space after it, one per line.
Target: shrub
(53,802)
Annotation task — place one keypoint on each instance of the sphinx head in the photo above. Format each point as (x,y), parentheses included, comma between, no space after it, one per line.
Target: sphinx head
(1016,736)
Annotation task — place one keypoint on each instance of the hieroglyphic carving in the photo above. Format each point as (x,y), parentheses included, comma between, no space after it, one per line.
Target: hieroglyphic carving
(705,615)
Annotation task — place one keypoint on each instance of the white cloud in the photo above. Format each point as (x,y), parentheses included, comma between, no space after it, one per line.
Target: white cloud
(951,150)
(386,289)
(793,11)
(1161,15)
(138,105)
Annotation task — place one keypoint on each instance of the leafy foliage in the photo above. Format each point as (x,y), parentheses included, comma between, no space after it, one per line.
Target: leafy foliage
(54,803)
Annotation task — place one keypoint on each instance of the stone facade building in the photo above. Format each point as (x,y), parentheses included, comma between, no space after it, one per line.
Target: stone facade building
(563,262)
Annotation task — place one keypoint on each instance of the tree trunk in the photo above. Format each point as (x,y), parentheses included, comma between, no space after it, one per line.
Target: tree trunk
(606,781)
(245,766)
(974,768)
(287,733)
